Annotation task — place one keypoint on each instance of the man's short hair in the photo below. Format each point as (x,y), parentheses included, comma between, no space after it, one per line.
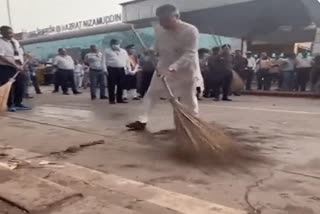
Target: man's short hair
(5,28)
(130,47)
(214,49)
(114,41)
(226,46)
(203,51)
(167,10)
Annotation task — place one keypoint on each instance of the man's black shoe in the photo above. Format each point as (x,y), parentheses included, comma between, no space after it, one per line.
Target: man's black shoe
(227,99)
(122,101)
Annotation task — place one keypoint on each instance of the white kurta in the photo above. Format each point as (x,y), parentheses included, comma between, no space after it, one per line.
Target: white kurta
(178,50)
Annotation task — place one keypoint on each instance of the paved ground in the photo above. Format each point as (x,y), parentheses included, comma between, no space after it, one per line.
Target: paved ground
(283,132)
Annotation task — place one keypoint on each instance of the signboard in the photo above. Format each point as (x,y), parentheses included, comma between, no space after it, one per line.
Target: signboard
(76,25)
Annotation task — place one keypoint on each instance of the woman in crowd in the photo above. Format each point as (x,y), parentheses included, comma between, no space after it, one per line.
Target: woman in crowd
(130,88)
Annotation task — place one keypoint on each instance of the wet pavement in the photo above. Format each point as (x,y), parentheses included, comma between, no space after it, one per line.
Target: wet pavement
(282,133)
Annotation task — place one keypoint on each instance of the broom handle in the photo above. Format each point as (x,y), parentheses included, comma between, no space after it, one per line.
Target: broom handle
(18,72)
(169,90)
(139,37)
(164,79)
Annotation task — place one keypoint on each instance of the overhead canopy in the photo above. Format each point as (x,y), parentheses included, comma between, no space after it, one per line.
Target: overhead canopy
(264,20)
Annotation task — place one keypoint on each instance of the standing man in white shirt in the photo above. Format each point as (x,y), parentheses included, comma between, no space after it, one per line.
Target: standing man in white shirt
(177,44)
(11,61)
(117,64)
(303,69)
(251,67)
(97,72)
(65,71)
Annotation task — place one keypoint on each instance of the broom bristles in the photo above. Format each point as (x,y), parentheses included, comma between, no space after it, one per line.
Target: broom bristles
(4,95)
(196,135)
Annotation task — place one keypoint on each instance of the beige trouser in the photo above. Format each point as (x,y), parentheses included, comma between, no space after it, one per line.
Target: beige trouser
(185,90)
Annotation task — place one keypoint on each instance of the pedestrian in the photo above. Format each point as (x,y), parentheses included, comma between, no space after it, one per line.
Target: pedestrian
(213,72)
(240,64)
(250,68)
(276,71)
(180,68)
(97,72)
(65,72)
(130,88)
(147,62)
(303,71)
(10,64)
(222,76)
(117,62)
(204,54)
(32,65)
(264,77)
(288,70)
(315,74)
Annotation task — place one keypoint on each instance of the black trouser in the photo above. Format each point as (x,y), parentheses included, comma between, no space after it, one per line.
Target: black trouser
(97,77)
(116,77)
(206,83)
(249,78)
(57,80)
(146,80)
(35,83)
(264,79)
(17,90)
(130,82)
(303,77)
(222,81)
(66,79)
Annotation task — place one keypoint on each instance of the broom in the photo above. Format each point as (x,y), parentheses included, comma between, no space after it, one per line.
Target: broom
(192,133)
(5,92)
(195,134)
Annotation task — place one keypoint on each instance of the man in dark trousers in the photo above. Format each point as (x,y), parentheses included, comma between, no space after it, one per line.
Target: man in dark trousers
(203,60)
(221,73)
(240,64)
(65,71)
(10,51)
(118,65)
(212,76)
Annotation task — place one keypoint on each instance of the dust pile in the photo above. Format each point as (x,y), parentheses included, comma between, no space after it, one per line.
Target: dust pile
(237,150)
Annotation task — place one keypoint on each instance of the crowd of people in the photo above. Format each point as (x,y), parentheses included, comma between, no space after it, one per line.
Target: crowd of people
(286,73)
(122,72)
(127,74)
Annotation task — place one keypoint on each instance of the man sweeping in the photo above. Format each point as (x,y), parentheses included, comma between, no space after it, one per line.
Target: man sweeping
(177,47)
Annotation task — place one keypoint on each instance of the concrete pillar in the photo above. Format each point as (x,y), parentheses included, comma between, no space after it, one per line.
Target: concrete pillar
(316,43)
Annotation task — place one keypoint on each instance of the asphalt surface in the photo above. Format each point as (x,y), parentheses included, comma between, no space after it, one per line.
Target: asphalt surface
(279,174)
